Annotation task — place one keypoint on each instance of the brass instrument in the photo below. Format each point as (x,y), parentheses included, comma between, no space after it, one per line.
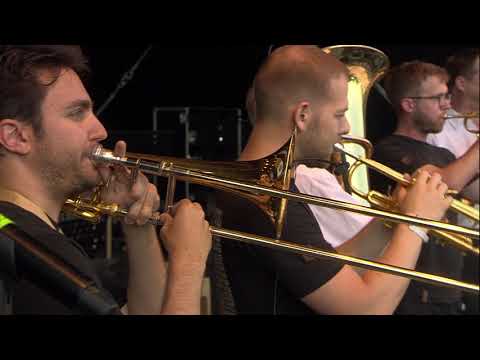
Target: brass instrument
(382,201)
(456,205)
(467,117)
(266,182)
(263,182)
(367,65)
(93,211)
(251,173)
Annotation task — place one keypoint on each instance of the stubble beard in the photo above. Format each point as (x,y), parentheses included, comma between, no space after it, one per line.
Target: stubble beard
(62,173)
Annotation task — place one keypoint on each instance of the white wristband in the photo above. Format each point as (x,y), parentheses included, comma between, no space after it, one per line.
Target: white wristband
(421,233)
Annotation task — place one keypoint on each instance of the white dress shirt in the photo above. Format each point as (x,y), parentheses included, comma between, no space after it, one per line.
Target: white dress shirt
(337,226)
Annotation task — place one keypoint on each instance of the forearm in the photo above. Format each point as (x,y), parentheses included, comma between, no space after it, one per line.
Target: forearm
(147,270)
(462,171)
(369,242)
(184,288)
(376,293)
(387,290)
(471,191)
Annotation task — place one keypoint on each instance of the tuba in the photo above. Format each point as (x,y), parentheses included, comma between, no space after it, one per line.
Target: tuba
(367,66)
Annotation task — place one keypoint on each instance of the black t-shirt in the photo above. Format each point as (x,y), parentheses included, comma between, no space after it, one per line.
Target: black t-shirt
(406,155)
(28,298)
(271,281)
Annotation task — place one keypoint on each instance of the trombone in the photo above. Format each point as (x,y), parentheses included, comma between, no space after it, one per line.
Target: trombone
(381,201)
(264,182)
(260,181)
(91,211)
(466,118)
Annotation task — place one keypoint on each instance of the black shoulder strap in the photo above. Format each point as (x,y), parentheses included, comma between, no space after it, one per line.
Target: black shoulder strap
(7,274)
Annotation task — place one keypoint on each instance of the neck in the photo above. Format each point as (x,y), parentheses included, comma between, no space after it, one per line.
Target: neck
(264,140)
(463,105)
(23,182)
(405,128)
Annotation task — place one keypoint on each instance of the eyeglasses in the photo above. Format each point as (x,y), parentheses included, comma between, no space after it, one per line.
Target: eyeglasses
(440,98)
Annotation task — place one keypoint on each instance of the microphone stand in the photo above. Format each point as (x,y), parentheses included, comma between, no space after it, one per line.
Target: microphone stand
(124,80)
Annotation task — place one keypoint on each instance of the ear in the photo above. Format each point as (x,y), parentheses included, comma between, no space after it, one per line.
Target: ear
(302,115)
(460,83)
(15,136)
(407,105)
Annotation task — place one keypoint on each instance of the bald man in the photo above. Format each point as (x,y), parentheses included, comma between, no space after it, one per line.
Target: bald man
(342,225)
(302,88)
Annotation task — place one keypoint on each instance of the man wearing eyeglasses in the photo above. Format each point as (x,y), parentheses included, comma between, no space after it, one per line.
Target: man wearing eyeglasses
(419,94)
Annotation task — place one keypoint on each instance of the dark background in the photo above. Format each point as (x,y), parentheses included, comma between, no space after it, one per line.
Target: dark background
(197,76)
(207,76)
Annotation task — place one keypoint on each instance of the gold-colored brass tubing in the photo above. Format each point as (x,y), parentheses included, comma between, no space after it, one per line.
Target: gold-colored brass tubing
(350,260)
(270,171)
(364,143)
(339,205)
(470,115)
(165,168)
(456,205)
(461,242)
(381,201)
(466,117)
(301,250)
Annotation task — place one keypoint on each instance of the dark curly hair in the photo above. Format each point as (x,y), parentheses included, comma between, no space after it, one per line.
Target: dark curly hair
(21,89)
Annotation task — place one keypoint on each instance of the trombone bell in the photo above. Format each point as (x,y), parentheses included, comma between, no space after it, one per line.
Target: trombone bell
(272,172)
(253,177)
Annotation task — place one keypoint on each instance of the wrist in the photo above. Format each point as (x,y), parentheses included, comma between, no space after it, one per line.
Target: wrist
(139,235)
(135,229)
(420,232)
(188,264)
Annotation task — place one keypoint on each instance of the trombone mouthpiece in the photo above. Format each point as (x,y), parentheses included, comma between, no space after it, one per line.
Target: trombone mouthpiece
(99,154)
(340,147)
(96,152)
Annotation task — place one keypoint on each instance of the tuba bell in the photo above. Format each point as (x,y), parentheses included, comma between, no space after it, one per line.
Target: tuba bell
(367,66)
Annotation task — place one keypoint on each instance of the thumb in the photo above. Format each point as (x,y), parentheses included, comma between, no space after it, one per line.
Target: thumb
(407,176)
(166,220)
